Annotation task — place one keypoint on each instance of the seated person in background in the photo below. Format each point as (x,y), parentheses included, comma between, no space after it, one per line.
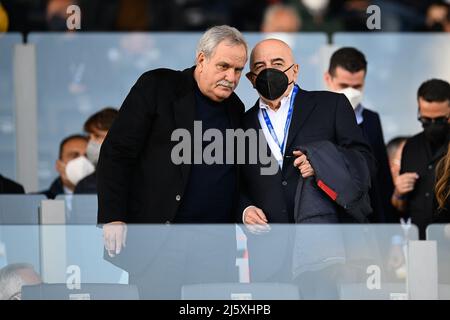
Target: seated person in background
(13,277)
(8,186)
(96,127)
(70,148)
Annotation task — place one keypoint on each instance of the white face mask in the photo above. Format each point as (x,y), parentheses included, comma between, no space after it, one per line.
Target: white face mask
(93,151)
(78,169)
(353,95)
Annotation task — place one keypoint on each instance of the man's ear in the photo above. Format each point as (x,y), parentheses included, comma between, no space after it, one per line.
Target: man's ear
(327,79)
(200,60)
(251,77)
(59,165)
(296,69)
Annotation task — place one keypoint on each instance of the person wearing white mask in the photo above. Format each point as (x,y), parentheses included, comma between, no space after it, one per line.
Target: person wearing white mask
(346,74)
(70,163)
(96,126)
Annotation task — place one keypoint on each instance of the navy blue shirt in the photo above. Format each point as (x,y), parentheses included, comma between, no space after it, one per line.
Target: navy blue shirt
(211,188)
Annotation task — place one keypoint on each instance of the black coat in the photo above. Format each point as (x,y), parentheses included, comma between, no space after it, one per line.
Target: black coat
(421,204)
(55,189)
(87,185)
(8,186)
(382,184)
(317,116)
(137,181)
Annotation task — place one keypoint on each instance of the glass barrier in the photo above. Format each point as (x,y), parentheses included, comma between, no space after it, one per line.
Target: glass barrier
(20,208)
(397,64)
(440,233)
(80,208)
(7,121)
(19,244)
(79,74)
(202,262)
(19,231)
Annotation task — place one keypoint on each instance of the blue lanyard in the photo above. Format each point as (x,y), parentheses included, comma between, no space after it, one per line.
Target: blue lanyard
(286,126)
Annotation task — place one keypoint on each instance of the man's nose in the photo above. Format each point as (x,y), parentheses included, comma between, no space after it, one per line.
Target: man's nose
(230,75)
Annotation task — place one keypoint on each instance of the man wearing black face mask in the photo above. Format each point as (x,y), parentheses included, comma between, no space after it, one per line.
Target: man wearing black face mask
(414,186)
(291,117)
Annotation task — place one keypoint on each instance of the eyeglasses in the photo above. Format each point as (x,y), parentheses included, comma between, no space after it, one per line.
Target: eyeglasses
(437,120)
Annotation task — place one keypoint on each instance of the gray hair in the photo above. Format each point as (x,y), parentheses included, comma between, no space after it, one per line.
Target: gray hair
(215,35)
(10,281)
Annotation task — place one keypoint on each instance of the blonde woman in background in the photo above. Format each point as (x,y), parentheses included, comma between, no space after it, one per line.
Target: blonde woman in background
(443,192)
(443,185)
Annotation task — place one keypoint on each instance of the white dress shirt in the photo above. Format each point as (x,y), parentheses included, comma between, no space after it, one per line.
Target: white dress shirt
(278,119)
(359,113)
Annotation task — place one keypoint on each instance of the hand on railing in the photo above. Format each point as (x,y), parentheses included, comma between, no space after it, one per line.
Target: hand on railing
(114,237)
(255,220)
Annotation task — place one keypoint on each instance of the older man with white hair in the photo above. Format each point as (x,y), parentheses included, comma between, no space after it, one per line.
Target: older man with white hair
(138,179)
(13,277)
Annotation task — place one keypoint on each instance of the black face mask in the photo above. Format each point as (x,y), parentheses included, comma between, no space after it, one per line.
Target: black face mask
(271,83)
(436,133)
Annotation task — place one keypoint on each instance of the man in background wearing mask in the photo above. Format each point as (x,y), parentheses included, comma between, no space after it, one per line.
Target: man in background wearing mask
(346,74)
(71,150)
(414,187)
(96,127)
